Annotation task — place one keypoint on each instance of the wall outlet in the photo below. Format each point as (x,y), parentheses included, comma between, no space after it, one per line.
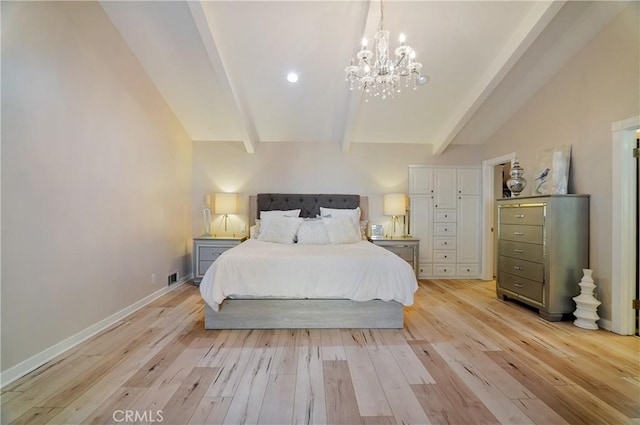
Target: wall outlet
(153,279)
(243,228)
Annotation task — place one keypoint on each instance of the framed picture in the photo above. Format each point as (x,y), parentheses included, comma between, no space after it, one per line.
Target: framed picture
(551,175)
(377,231)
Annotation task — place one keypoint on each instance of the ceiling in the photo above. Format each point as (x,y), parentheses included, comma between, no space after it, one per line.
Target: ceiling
(222,65)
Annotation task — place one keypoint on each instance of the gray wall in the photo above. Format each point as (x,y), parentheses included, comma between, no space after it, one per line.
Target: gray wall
(599,86)
(96,177)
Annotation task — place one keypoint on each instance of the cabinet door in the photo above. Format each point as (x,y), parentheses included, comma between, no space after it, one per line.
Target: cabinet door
(469,229)
(422,225)
(469,181)
(420,180)
(444,187)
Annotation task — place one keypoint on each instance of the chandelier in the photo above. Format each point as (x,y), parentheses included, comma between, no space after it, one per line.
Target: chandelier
(381,75)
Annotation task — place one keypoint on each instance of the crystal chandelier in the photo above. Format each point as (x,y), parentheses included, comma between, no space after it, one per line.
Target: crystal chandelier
(381,75)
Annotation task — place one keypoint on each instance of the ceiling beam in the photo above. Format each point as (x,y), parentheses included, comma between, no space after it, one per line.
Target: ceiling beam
(370,25)
(216,57)
(533,24)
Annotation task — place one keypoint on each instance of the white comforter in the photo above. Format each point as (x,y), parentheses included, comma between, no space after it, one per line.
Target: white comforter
(361,271)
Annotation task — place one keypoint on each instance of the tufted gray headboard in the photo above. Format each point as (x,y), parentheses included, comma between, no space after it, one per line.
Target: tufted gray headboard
(309,203)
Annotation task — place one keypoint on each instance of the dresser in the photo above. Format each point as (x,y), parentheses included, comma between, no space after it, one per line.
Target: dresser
(543,245)
(405,248)
(205,251)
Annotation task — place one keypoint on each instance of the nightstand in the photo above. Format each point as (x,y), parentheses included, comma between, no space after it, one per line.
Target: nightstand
(205,251)
(405,248)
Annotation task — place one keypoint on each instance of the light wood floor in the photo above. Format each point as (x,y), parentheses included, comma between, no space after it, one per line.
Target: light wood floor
(463,357)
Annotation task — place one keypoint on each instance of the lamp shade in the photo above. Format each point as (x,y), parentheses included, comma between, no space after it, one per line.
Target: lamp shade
(395,204)
(226,203)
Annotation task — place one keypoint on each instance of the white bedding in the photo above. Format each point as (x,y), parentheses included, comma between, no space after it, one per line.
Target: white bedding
(359,271)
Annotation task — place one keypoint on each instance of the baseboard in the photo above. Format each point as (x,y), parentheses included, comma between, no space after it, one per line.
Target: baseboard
(32,363)
(605,324)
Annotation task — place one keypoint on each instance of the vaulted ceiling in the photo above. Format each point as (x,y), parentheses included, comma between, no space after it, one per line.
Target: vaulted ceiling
(222,65)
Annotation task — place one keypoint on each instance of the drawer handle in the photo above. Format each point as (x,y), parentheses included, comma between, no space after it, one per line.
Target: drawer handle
(519,251)
(520,268)
(518,285)
(445,216)
(519,215)
(446,243)
(518,233)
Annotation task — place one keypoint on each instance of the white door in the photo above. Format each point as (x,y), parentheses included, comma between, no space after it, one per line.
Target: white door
(420,180)
(422,225)
(445,188)
(469,228)
(469,181)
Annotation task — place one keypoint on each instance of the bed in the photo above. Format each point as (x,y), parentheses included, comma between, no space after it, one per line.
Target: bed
(261,284)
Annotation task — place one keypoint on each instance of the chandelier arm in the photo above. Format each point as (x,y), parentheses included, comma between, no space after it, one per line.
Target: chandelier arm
(381,16)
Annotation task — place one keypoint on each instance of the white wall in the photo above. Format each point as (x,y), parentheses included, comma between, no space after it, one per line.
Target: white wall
(599,86)
(96,177)
(367,169)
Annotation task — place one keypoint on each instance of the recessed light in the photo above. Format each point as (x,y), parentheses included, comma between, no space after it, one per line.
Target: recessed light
(292,77)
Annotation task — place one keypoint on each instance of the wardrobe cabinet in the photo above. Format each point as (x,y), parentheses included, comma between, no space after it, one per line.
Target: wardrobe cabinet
(445,207)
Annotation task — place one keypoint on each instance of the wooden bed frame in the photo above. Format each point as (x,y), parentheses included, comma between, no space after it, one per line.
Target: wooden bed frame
(277,313)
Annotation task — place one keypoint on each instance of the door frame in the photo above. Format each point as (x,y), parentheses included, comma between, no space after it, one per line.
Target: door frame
(488,210)
(623,220)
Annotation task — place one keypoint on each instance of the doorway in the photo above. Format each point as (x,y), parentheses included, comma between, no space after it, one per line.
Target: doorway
(489,196)
(624,257)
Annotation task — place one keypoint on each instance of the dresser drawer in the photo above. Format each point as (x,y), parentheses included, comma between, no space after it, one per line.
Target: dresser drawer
(404,252)
(444,270)
(523,287)
(513,232)
(522,215)
(527,251)
(444,243)
(444,256)
(425,270)
(210,253)
(444,229)
(444,216)
(467,270)
(522,268)
(203,266)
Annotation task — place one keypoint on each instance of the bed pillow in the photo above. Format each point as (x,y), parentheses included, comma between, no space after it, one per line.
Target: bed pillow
(279,229)
(313,232)
(342,229)
(354,214)
(265,216)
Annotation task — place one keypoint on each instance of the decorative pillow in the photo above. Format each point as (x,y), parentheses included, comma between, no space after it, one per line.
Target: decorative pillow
(342,229)
(265,216)
(354,214)
(279,229)
(313,232)
(363,229)
(254,230)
